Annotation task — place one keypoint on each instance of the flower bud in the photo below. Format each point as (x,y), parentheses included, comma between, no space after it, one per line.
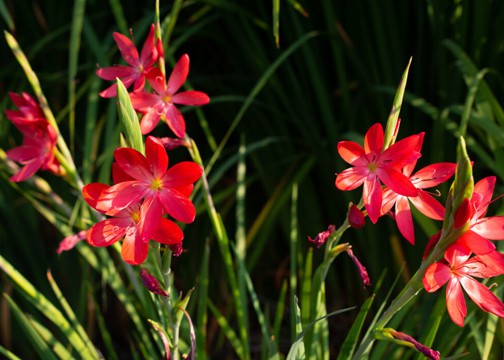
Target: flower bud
(151,283)
(356,217)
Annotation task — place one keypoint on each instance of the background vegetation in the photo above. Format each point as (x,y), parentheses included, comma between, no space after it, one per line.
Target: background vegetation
(333,74)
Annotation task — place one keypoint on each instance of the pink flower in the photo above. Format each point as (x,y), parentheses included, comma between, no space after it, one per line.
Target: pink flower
(373,165)
(69,242)
(457,271)
(425,178)
(39,141)
(138,65)
(362,270)
(137,223)
(161,105)
(148,177)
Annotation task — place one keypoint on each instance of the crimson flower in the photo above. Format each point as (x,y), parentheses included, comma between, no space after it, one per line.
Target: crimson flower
(373,165)
(161,104)
(139,65)
(457,271)
(481,229)
(148,177)
(137,223)
(39,138)
(425,178)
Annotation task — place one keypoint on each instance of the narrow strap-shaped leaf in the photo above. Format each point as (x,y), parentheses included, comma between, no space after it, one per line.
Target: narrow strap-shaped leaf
(228,331)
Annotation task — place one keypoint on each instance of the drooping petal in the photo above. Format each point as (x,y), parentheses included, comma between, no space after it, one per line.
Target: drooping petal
(436,275)
(127,48)
(191,97)
(177,206)
(455,302)
(133,163)
(182,174)
(352,153)
(351,178)
(404,219)
(108,231)
(428,206)
(157,156)
(491,228)
(372,195)
(476,243)
(178,75)
(397,181)
(433,175)
(482,296)
(175,121)
(168,233)
(134,250)
(373,140)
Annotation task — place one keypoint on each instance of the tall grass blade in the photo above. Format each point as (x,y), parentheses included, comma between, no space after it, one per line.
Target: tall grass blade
(228,331)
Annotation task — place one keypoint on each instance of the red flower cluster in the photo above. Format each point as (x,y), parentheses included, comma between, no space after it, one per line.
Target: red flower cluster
(144,190)
(39,138)
(373,165)
(159,104)
(471,255)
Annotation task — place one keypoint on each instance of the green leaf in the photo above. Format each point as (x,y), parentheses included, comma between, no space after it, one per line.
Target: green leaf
(129,119)
(348,347)
(391,128)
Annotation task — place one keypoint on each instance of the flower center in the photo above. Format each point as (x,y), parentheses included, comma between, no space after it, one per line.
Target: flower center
(372,167)
(135,216)
(156,185)
(167,98)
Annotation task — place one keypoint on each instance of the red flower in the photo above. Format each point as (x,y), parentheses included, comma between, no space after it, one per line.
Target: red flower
(148,177)
(39,142)
(425,178)
(162,103)
(372,164)
(481,229)
(137,223)
(139,65)
(457,270)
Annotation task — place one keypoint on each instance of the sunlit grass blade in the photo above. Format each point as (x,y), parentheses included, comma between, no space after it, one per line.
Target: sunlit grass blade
(48,336)
(293,250)
(348,347)
(71,316)
(46,308)
(276,22)
(39,345)
(292,355)
(8,355)
(228,331)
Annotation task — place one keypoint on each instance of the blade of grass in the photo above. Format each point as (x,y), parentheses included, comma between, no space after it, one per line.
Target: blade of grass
(293,248)
(8,355)
(39,345)
(202,317)
(50,339)
(7,17)
(228,331)
(276,22)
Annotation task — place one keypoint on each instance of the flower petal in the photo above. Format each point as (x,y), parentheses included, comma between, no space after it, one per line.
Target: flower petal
(127,48)
(151,213)
(433,175)
(178,75)
(483,191)
(168,233)
(476,243)
(396,181)
(108,231)
(482,296)
(402,152)
(149,52)
(91,193)
(191,97)
(133,163)
(352,153)
(389,199)
(491,228)
(351,178)
(134,250)
(455,302)
(428,206)
(149,121)
(157,80)
(373,140)
(372,195)
(157,156)
(177,206)
(117,71)
(118,175)
(436,275)
(404,219)
(175,121)
(120,196)
(182,174)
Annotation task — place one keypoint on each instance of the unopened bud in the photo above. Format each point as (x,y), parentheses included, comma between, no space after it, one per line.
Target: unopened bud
(356,217)
(151,283)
